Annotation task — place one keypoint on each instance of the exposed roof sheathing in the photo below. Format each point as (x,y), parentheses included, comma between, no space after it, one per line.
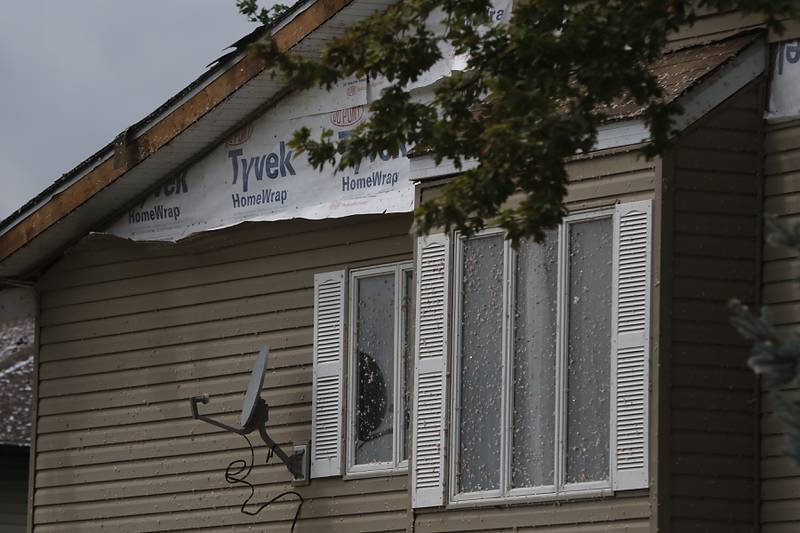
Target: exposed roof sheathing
(236,53)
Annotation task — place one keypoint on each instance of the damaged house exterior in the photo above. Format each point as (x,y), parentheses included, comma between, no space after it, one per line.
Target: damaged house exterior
(445,384)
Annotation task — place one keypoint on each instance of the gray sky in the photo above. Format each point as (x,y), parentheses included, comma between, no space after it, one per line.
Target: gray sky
(74,74)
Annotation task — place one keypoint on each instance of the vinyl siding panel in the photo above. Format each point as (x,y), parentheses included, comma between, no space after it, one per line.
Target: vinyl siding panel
(714,24)
(715,209)
(598,181)
(131,331)
(620,514)
(780,476)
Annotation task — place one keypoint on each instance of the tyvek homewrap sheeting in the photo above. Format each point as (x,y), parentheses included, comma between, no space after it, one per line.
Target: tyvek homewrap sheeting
(784,98)
(255,176)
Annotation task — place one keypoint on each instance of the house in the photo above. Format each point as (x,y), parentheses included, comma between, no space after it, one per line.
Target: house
(588,384)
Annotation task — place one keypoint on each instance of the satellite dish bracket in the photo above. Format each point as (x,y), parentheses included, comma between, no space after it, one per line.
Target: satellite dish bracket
(297,463)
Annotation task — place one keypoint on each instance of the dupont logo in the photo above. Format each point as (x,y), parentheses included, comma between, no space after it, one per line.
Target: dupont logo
(241,136)
(347,117)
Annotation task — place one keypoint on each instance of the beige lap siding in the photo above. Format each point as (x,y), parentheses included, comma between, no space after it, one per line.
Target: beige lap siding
(131,331)
(714,24)
(714,172)
(780,476)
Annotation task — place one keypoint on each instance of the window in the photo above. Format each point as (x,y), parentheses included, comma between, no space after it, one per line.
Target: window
(379,347)
(548,348)
(533,361)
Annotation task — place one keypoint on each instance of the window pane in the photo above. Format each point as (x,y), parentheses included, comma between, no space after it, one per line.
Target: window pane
(481,372)
(589,351)
(407,350)
(535,311)
(375,369)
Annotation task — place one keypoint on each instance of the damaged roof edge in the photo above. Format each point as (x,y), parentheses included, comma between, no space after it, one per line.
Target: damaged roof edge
(215,69)
(38,227)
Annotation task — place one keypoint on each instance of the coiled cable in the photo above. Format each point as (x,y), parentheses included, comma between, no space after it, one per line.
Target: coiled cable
(237,472)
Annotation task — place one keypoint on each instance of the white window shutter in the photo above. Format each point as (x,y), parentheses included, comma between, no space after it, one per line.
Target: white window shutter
(430,371)
(631,357)
(328,358)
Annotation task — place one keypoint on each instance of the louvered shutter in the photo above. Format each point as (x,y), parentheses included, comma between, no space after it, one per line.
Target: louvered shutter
(631,315)
(430,371)
(328,356)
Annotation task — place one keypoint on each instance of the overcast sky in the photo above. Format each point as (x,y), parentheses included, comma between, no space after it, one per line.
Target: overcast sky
(75,73)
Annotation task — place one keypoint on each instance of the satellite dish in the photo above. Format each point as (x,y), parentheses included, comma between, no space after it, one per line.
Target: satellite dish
(255,414)
(254,388)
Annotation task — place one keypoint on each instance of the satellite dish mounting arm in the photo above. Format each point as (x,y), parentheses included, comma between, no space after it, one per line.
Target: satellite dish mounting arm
(204,398)
(295,463)
(255,414)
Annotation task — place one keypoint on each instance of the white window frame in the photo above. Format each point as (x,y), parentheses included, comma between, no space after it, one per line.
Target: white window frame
(560,490)
(396,466)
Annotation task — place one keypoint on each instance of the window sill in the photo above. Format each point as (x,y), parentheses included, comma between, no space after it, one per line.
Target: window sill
(532,498)
(376,473)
